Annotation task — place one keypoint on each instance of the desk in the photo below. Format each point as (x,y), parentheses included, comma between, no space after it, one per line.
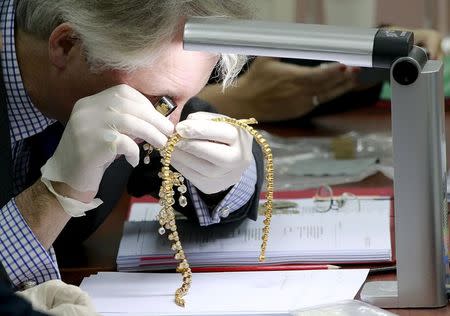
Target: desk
(100,250)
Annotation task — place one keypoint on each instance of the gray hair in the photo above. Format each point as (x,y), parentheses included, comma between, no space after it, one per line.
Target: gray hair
(126,34)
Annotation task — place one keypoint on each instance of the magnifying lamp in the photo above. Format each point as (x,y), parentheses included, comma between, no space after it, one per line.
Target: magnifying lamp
(420,201)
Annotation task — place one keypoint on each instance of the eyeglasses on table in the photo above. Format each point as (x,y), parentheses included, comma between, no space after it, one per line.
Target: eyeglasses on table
(325,201)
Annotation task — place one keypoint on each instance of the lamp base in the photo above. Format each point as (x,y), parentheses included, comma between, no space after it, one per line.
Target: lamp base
(383,294)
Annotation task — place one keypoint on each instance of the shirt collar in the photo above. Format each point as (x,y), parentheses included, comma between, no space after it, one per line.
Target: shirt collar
(24,118)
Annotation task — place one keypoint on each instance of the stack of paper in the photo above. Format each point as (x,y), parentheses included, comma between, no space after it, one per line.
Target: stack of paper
(238,293)
(298,234)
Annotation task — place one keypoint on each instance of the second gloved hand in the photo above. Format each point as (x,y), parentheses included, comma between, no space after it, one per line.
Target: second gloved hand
(212,155)
(58,298)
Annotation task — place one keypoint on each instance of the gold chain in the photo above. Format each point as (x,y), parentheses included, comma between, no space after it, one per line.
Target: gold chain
(167,215)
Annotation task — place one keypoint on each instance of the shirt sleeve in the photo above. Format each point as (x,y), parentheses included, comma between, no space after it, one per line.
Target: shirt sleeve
(238,196)
(22,255)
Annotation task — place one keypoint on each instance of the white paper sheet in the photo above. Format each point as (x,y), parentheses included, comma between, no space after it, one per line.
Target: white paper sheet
(231,293)
(298,235)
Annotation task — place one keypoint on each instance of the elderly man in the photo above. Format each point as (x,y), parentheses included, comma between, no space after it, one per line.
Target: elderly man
(80,78)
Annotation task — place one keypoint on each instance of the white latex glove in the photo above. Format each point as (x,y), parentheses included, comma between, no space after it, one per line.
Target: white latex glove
(211,155)
(58,298)
(101,127)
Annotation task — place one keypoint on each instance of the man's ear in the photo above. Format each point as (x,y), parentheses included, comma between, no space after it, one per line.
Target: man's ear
(61,45)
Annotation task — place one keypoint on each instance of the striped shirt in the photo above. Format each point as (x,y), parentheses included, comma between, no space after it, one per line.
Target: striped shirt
(21,253)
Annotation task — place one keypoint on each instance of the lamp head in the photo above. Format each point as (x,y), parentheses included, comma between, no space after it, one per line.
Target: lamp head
(364,47)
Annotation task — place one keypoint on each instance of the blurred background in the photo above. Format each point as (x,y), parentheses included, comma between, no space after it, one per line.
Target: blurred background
(433,14)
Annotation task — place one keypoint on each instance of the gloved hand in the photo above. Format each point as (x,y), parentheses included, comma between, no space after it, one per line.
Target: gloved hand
(58,298)
(211,155)
(101,127)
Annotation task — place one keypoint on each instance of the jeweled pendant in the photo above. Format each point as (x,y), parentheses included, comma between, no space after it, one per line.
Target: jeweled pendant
(182,201)
(182,188)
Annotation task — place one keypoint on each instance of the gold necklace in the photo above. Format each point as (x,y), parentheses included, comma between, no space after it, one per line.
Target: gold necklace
(170,179)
